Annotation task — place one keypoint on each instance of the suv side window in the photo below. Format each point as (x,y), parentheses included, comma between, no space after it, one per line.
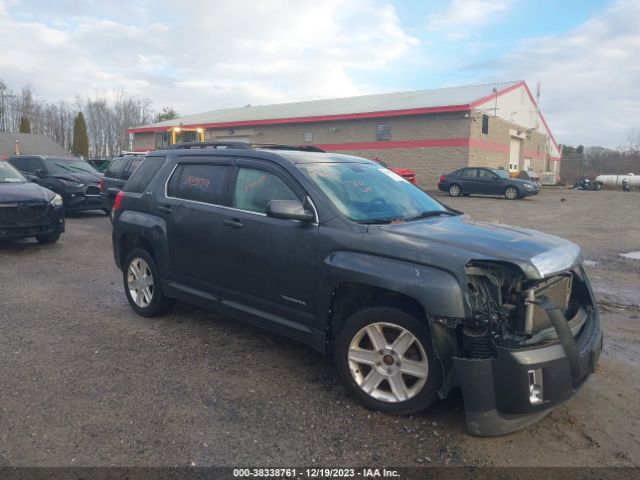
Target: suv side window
(115,168)
(27,164)
(255,188)
(143,175)
(199,183)
(133,165)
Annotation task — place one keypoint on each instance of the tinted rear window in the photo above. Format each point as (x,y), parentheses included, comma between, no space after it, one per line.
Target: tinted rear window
(133,165)
(115,168)
(144,174)
(199,183)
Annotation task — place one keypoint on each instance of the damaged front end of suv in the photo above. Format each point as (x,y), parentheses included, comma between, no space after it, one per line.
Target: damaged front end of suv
(531,340)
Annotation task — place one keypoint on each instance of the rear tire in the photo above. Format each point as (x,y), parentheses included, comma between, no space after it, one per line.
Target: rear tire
(511,193)
(141,281)
(455,190)
(48,239)
(383,356)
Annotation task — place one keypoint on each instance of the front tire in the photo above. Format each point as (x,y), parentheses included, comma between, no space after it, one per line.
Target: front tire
(383,356)
(455,190)
(48,239)
(511,193)
(141,281)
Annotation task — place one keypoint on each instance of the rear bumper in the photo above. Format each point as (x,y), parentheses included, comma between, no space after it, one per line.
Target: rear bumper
(52,222)
(497,390)
(442,186)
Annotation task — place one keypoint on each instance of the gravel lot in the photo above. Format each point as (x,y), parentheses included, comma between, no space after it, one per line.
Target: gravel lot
(87,382)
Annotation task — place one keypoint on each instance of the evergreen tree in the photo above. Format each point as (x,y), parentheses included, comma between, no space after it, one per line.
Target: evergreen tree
(80,146)
(25,125)
(167,113)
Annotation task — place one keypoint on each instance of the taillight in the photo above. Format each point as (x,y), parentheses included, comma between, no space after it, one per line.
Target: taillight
(101,184)
(117,202)
(442,178)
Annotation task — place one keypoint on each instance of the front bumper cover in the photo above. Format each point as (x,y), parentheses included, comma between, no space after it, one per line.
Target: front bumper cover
(496,390)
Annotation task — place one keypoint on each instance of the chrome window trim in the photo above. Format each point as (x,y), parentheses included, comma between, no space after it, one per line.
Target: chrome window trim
(167,196)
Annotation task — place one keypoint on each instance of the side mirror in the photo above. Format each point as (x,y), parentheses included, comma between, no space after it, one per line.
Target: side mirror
(289,210)
(495,178)
(113,191)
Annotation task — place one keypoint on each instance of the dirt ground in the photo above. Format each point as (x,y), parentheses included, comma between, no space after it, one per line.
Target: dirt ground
(84,381)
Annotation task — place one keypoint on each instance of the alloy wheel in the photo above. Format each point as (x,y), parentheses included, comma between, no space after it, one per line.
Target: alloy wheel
(140,282)
(511,193)
(388,362)
(454,190)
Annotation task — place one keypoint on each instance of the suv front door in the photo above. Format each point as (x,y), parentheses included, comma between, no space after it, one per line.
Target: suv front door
(268,263)
(194,209)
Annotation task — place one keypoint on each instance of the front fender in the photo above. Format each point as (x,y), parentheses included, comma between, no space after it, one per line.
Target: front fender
(436,290)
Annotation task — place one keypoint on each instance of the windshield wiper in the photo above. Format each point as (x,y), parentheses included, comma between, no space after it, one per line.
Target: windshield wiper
(378,221)
(430,213)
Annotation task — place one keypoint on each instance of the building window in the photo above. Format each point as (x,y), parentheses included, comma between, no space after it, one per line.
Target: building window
(485,124)
(308,136)
(383,132)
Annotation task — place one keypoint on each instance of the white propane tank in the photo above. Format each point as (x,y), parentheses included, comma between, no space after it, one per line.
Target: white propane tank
(615,181)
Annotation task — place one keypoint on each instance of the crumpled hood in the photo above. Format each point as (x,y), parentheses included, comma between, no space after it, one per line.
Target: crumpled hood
(538,254)
(24,192)
(80,177)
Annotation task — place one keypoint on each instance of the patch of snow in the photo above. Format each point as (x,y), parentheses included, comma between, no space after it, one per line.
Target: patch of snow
(590,263)
(632,255)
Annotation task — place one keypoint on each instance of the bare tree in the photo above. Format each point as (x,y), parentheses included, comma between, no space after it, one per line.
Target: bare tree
(107,120)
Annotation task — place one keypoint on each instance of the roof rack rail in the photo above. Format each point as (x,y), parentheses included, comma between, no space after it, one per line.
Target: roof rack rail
(125,153)
(212,145)
(281,146)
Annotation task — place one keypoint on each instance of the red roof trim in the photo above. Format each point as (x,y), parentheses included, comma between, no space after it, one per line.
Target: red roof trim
(317,118)
(510,89)
(497,94)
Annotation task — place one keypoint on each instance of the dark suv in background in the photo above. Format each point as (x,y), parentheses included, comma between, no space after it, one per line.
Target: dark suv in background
(411,298)
(75,180)
(116,175)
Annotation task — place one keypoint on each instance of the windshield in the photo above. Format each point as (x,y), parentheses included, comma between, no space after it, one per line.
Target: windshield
(57,166)
(367,193)
(9,174)
(501,173)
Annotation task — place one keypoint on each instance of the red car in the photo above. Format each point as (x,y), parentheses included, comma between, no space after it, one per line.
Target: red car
(408,175)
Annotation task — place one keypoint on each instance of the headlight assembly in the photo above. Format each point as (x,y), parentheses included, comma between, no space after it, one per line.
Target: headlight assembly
(56,201)
(70,183)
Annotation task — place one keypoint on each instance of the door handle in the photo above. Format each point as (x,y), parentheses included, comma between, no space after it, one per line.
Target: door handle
(233,223)
(164,209)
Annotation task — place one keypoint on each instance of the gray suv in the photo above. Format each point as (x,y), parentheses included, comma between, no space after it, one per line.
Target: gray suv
(412,299)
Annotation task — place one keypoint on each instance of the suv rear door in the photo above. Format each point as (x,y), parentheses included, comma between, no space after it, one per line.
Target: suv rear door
(268,263)
(194,208)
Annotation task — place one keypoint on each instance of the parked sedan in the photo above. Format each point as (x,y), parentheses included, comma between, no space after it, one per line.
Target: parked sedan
(486,181)
(75,180)
(27,209)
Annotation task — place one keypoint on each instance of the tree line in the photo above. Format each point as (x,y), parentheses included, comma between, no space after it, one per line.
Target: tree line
(581,161)
(88,127)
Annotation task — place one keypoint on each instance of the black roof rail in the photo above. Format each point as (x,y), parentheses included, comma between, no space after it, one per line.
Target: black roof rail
(212,145)
(281,146)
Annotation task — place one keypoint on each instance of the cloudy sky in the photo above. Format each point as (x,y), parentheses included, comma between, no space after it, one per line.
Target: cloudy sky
(205,54)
